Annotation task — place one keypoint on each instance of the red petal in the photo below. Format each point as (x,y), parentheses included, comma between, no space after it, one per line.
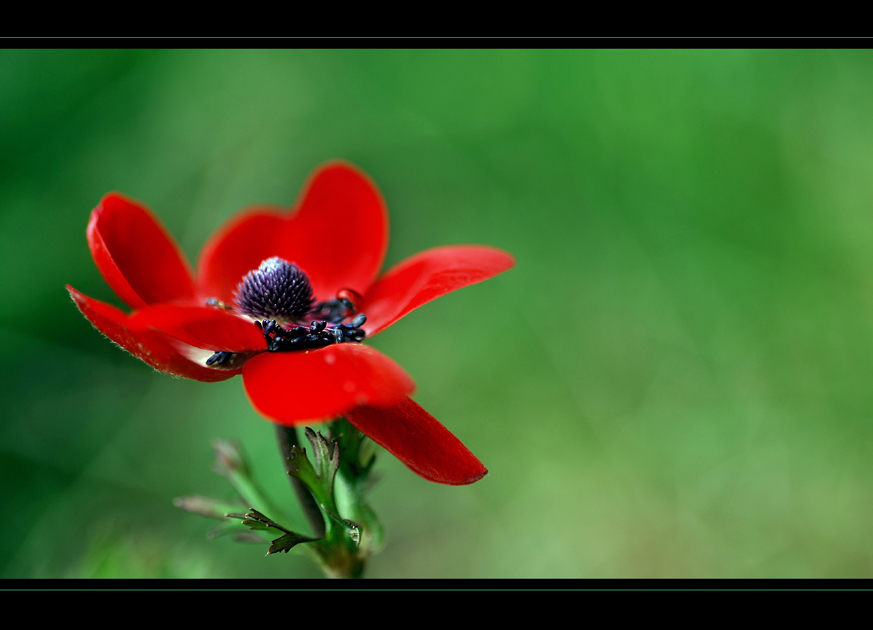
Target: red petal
(425,277)
(418,440)
(153,347)
(338,236)
(203,327)
(238,247)
(292,388)
(137,257)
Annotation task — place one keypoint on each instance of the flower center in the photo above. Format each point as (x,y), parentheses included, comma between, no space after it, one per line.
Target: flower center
(278,295)
(276,290)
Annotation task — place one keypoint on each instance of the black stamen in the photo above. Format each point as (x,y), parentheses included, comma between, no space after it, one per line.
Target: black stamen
(335,311)
(317,335)
(219,358)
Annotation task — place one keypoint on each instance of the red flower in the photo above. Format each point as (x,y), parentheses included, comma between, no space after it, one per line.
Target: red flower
(336,240)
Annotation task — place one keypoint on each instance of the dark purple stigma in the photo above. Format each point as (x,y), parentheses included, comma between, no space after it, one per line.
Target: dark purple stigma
(277,290)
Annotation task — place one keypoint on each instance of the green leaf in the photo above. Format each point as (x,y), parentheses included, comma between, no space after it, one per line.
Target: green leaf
(205,506)
(301,468)
(258,521)
(326,454)
(237,531)
(287,542)
(358,453)
(229,459)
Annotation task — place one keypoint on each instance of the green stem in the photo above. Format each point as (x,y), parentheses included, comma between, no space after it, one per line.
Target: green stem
(287,438)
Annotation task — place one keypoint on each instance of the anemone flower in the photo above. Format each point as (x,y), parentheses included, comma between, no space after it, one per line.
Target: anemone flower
(285,299)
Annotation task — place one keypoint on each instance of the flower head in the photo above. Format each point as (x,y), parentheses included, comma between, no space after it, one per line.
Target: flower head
(285,299)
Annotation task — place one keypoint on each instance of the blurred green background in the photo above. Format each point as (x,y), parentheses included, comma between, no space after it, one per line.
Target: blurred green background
(675,380)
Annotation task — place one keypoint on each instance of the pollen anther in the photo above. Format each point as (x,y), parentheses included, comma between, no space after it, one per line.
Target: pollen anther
(317,335)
